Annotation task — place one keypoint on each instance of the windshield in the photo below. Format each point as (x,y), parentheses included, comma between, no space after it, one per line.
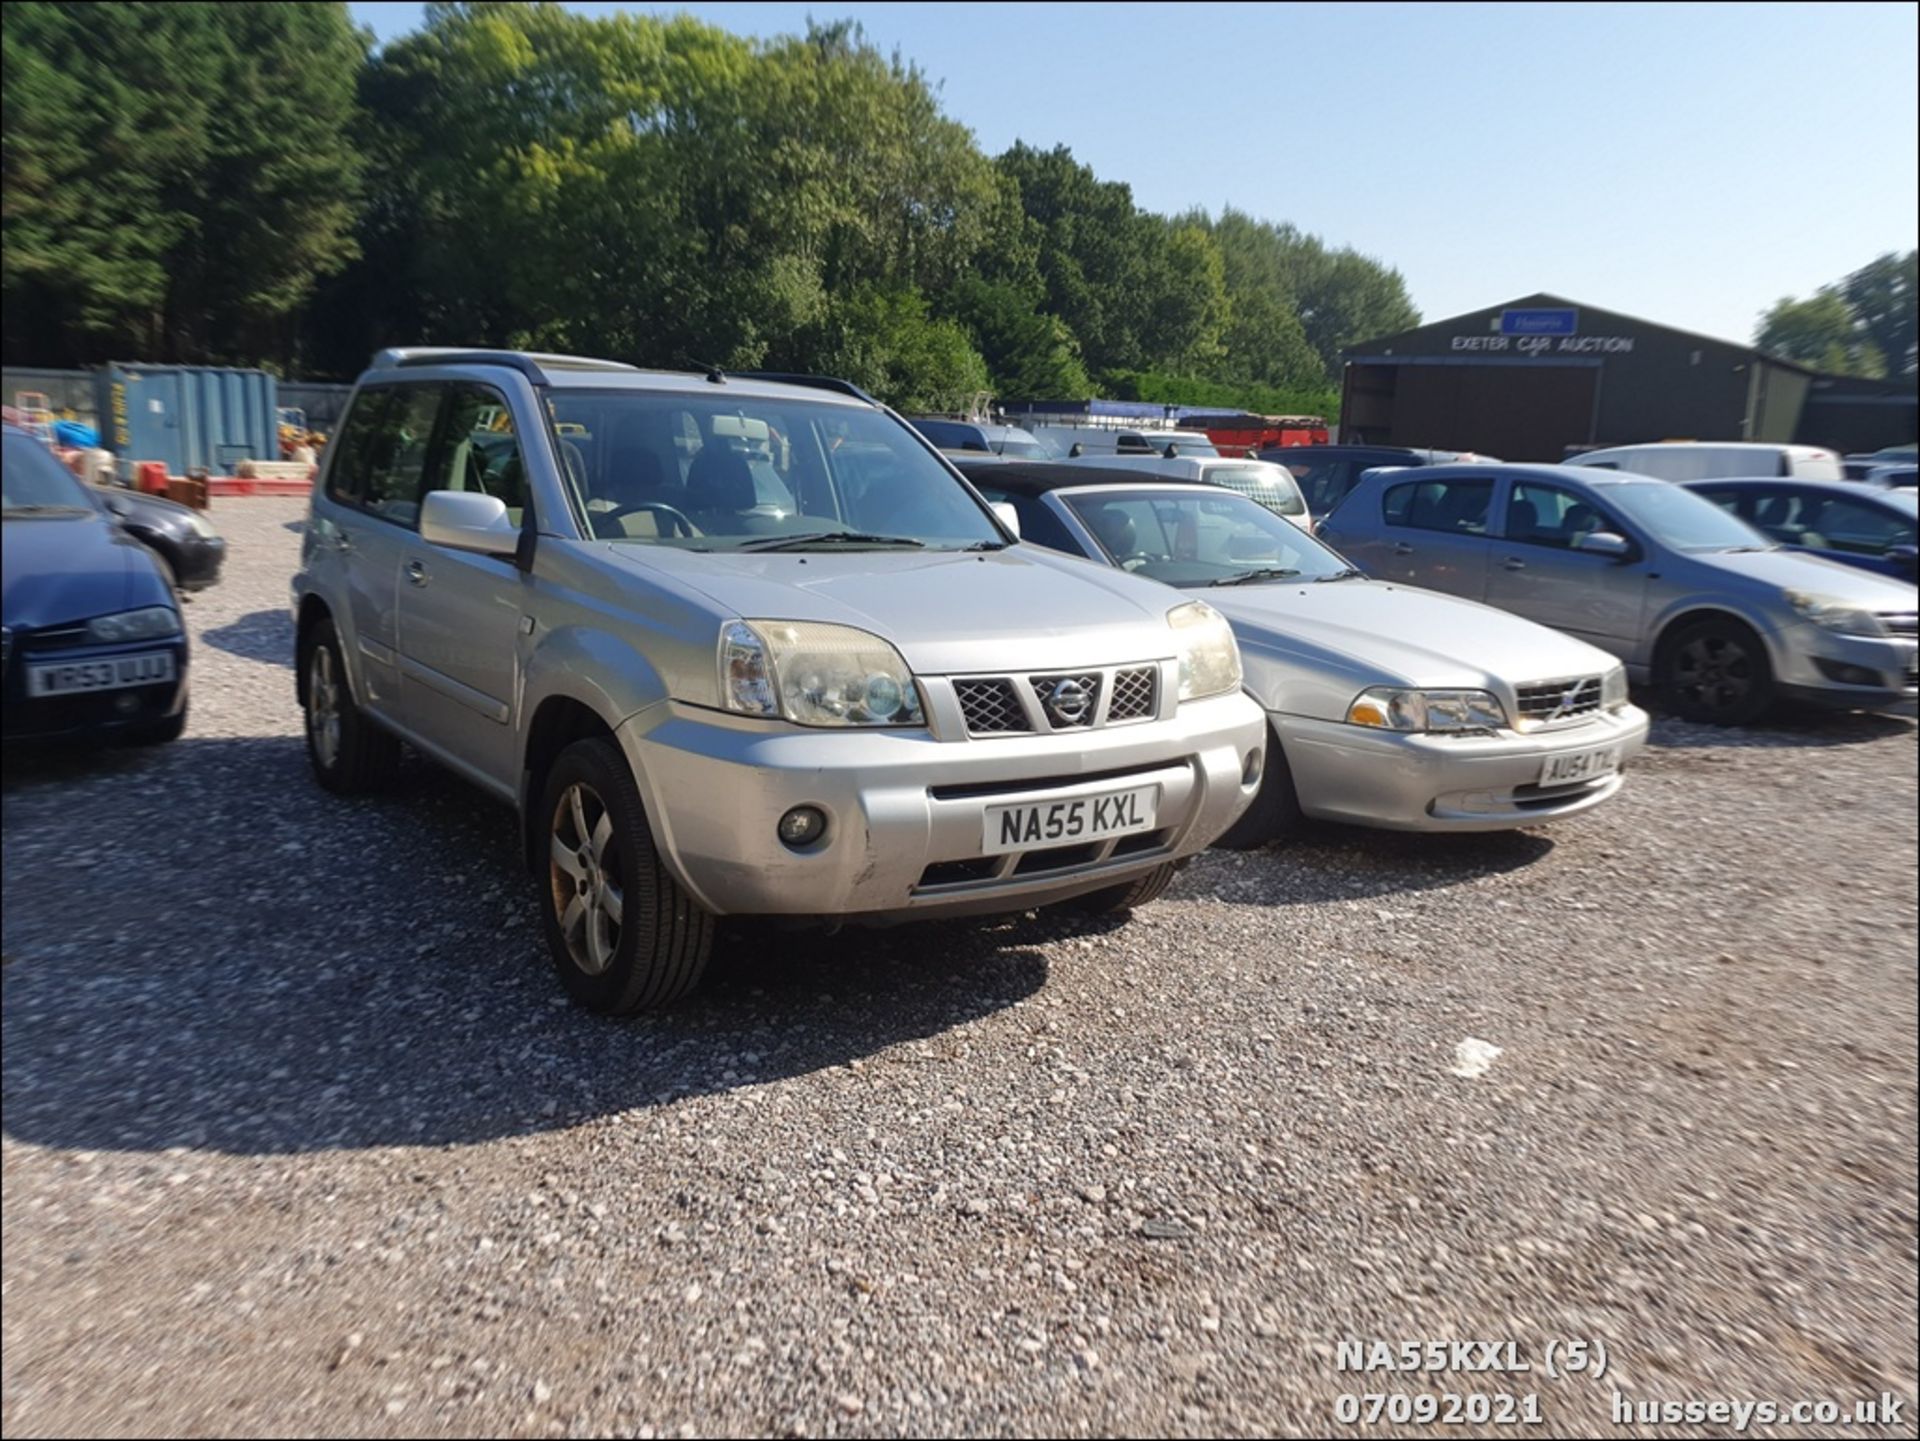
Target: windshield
(1193,536)
(35,482)
(715,472)
(1682,520)
(1018,449)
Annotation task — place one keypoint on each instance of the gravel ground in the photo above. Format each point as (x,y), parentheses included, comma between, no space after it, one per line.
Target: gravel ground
(299,1137)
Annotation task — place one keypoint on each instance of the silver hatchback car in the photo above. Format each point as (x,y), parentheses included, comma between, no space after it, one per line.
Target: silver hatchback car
(1695,600)
(739,646)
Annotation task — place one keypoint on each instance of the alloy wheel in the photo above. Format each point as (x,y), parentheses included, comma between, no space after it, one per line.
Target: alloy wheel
(584,870)
(323,707)
(1714,672)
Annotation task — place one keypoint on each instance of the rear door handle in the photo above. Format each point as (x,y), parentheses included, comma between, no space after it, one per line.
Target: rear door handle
(417,572)
(1513,562)
(1402,548)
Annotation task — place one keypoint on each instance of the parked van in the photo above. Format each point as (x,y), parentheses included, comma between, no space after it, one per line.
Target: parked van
(1712,460)
(1100,440)
(1259,480)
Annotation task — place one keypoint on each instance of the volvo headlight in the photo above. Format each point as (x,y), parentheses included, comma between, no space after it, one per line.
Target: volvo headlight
(1613,689)
(145,624)
(1836,615)
(816,675)
(1209,655)
(1387,708)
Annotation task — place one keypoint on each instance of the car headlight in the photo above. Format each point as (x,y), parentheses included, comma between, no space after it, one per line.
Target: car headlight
(1613,689)
(1836,615)
(202,527)
(1388,708)
(145,624)
(1209,655)
(816,675)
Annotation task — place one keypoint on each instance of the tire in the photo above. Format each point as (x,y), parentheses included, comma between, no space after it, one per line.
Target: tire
(1118,900)
(160,732)
(1274,814)
(350,753)
(652,948)
(1716,671)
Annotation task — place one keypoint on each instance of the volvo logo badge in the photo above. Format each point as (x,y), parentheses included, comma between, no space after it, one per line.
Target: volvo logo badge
(1068,702)
(1567,699)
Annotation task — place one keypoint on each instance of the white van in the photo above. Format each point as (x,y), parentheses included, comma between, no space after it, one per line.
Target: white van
(1715,460)
(1100,440)
(1260,480)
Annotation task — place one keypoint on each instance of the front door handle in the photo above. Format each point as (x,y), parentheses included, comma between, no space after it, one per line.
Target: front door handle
(1513,562)
(1402,548)
(417,572)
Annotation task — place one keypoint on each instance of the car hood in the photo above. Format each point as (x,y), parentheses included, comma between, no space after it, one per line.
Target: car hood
(1377,632)
(1023,608)
(1796,570)
(59,569)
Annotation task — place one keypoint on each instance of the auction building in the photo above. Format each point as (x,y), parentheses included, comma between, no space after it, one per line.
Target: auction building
(1538,378)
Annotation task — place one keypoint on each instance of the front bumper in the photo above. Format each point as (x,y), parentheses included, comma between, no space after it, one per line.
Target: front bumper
(906,813)
(1815,665)
(102,713)
(1407,782)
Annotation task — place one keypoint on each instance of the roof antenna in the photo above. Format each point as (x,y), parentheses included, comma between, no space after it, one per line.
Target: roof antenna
(714,373)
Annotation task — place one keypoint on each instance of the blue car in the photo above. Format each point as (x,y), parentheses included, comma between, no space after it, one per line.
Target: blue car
(92,644)
(1847,522)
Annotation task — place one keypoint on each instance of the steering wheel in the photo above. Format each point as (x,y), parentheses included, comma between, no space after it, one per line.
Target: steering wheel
(677,522)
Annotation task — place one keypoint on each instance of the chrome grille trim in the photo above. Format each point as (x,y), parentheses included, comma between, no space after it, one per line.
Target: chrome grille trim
(1031,702)
(57,637)
(1906,624)
(1557,702)
(1048,688)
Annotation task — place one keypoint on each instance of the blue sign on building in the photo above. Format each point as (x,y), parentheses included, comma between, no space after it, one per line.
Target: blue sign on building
(1539,322)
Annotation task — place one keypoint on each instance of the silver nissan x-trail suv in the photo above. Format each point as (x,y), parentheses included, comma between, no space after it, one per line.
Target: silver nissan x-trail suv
(742,645)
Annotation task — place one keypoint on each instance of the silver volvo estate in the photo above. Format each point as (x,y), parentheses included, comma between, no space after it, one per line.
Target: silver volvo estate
(739,645)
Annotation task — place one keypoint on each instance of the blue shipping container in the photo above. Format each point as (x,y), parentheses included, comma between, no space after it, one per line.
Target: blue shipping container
(187,416)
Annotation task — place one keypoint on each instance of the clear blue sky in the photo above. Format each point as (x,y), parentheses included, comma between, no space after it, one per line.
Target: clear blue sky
(1685,163)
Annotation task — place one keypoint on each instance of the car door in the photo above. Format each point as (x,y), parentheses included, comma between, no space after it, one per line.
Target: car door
(1433,533)
(459,612)
(1537,571)
(373,479)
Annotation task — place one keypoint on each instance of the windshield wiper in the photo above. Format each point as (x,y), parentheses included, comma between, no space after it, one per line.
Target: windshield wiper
(987,545)
(1350,573)
(46,510)
(1249,577)
(1748,549)
(830,537)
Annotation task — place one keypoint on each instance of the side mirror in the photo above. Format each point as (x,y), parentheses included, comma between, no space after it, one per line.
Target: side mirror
(1009,517)
(1605,542)
(467,520)
(1076,450)
(1907,557)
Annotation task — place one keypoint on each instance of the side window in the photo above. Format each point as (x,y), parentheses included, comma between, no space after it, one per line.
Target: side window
(1548,515)
(397,454)
(1847,525)
(351,447)
(481,451)
(1324,483)
(1457,506)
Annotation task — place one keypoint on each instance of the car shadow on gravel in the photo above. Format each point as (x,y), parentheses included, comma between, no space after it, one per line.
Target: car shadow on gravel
(263,635)
(257,968)
(1786,727)
(1343,863)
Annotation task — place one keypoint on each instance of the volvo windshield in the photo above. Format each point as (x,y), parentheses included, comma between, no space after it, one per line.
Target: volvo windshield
(1196,536)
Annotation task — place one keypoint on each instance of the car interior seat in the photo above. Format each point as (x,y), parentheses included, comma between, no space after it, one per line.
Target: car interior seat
(1523,520)
(1116,531)
(721,492)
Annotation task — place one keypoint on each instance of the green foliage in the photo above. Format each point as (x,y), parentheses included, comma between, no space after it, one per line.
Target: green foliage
(177,176)
(194,181)
(1819,331)
(1883,296)
(1320,399)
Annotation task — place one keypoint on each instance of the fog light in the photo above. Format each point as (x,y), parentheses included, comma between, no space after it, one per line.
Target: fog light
(803,825)
(1840,673)
(126,704)
(1250,772)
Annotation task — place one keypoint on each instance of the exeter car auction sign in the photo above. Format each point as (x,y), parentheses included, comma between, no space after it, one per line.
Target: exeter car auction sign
(1541,332)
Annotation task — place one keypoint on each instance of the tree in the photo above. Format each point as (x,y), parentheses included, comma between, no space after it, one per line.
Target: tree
(177,176)
(1030,355)
(1819,331)
(1883,295)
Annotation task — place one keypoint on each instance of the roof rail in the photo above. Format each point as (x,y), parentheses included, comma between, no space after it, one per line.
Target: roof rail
(533,365)
(815,382)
